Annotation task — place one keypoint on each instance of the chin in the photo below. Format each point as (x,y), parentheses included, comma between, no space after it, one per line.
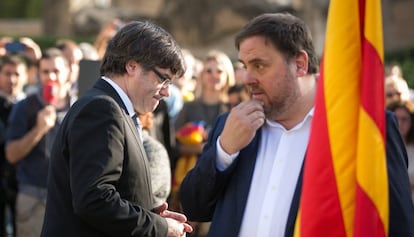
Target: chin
(155,105)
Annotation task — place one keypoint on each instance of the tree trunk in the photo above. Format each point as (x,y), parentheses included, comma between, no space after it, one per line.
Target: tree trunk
(56,17)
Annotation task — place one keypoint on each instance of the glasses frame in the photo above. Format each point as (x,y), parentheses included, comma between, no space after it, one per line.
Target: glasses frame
(165,80)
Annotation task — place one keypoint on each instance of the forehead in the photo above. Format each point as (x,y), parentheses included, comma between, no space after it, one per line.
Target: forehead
(57,62)
(256,47)
(8,66)
(212,63)
(401,111)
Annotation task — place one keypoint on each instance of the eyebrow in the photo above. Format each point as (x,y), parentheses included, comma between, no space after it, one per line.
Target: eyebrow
(254,60)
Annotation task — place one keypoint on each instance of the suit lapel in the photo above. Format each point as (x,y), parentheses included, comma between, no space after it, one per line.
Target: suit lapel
(293,212)
(247,161)
(105,87)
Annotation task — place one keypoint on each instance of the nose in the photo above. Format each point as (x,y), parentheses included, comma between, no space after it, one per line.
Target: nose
(249,78)
(165,91)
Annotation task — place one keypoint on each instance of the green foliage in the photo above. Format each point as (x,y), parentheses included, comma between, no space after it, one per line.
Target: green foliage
(22,9)
(49,41)
(405,59)
(33,9)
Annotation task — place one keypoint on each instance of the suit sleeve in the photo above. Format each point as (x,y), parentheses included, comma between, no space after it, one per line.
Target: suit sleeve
(97,145)
(205,184)
(401,216)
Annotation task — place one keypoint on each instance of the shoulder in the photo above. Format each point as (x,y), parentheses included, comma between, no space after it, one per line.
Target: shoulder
(103,104)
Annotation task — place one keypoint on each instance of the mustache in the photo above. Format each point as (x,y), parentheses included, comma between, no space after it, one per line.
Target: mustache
(254,89)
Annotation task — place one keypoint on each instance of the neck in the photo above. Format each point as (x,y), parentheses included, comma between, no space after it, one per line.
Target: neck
(211,97)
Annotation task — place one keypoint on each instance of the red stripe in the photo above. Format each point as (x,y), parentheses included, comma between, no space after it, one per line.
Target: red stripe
(372,85)
(367,221)
(319,192)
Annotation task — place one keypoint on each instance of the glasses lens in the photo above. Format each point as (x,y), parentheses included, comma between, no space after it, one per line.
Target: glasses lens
(165,81)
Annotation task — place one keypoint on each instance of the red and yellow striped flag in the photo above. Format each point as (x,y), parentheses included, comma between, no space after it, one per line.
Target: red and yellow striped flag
(345,187)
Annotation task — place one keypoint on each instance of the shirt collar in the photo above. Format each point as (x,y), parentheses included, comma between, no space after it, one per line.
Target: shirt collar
(308,116)
(124,97)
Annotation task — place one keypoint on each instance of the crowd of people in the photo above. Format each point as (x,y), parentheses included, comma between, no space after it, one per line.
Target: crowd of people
(149,140)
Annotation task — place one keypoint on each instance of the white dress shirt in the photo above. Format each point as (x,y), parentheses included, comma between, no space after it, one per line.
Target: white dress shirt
(279,161)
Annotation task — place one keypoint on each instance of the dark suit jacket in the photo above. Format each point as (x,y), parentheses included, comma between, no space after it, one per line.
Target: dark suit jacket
(99,180)
(210,195)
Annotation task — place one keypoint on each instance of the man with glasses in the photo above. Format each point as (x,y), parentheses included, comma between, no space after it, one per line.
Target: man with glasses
(99,180)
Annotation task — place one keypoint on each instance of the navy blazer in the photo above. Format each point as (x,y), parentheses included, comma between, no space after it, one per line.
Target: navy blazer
(99,177)
(220,197)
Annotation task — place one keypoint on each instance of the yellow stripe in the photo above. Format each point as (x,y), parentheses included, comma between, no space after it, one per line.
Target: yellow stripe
(342,70)
(371,143)
(371,163)
(296,233)
(373,26)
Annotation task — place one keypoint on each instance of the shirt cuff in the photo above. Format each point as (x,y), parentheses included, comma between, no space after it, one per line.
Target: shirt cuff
(224,160)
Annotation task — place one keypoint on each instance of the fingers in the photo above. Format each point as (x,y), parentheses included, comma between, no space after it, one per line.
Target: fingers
(248,114)
(247,107)
(175,228)
(187,228)
(242,123)
(174,215)
(159,210)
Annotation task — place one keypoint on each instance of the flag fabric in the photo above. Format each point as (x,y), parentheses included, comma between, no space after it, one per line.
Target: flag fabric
(345,185)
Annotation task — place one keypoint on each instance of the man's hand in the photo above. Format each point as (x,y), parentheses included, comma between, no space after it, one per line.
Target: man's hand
(241,125)
(46,118)
(177,225)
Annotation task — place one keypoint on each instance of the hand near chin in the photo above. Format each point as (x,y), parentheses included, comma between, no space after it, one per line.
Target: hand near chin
(241,125)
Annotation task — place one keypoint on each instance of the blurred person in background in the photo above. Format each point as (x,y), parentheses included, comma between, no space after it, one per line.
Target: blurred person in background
(13,75)
(89,52)
(159,161)
(237,94)
(73,55)
(239,72)
(188,82)
(31,52)
(31,130)
(215,79)
(23,46)
(105,34)
(404,111)
(396,87)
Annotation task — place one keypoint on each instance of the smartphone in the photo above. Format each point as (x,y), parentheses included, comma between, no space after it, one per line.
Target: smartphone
(15,47)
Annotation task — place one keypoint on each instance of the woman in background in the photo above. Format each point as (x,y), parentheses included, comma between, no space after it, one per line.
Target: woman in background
(404,111)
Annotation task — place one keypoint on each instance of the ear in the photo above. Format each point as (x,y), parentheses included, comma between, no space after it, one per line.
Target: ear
(301,64)
(131,66)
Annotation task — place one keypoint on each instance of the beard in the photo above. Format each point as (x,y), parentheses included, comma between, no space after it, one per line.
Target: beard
(282,98)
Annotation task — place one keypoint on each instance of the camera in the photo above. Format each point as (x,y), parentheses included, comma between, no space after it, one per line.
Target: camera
(15,47)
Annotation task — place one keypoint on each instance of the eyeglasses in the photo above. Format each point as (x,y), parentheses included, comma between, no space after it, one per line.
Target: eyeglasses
(165,80)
